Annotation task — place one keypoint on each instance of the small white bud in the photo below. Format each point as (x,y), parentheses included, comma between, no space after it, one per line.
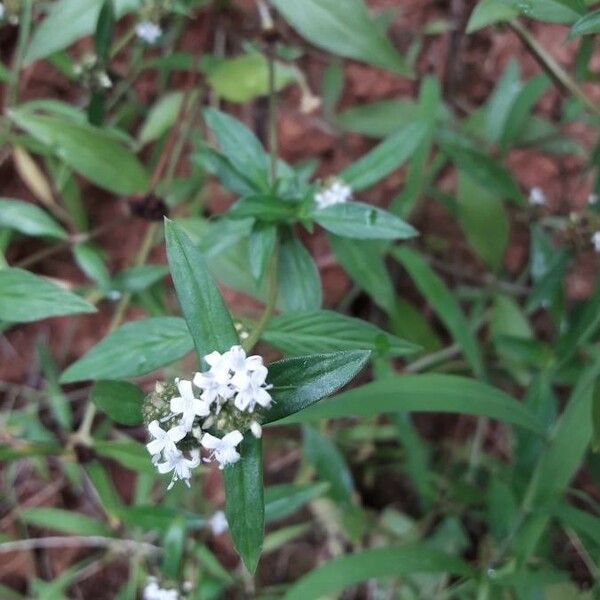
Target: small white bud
(218,523)
(596,241)
(148,32)
(537,197)
(256,429)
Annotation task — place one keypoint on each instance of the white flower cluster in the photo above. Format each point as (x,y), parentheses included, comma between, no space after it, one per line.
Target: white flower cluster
(596,241)
(337,192)
(148,32)
(234,379)
(153,591)
(537,197)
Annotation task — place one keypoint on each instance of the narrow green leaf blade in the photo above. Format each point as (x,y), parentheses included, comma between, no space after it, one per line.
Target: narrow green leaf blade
(29,219)
(376,563)
(134,349)
(25,297)
(363,222)
(313,332)
(120,400)
(444,303)
(422,393)
(205,312)
(244,501)
(345,29)
(302,381)
(65,521)
(385,158)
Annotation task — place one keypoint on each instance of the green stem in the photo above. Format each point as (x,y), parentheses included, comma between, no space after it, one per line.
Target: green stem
(272,117)
(83,434)
(548,63)
(24,31)
(260,327)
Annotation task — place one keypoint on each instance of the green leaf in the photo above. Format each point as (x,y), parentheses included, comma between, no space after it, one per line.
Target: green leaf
(261,245)
(378,119)
(91,261)
(392,561)
(29,219)
(120,400)
(444,303)
(65,521)
(329,331)
(246,77)
(130,455)
(205,312)
(285,499)
(244,501)
(586,322)
(264,207)
(330,465)
(484,170)
(25,297)
(134,349)
(345,29)
(92,152)
(422,393)
(552,11)
(365,264)
(104,31)
(362,221)
(161,117)
(488,12)
(297,275)
(174,546)
(67,21)
(138,279)
(300,382)
(568,443)
(484,221)
(240,146)
(586,25)
(384,158)
(501,101)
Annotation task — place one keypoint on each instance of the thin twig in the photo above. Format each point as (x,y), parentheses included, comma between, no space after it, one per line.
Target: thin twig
(93,541)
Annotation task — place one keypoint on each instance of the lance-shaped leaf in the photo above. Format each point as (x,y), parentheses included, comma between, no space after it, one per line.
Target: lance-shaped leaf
(205,312)
(328,331)
(384,158)
(423,393)
(363,222)
(393,561)
(244,501)
(134,349)
(25,297)
(302,381)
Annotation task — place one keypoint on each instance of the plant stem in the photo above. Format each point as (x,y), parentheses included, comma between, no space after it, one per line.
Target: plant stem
(548,63)
(24,30)
(83,434)
(259,328)
(272,117)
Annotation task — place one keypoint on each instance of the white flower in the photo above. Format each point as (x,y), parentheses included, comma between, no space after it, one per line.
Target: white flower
(218,523)
(164,440)
(180,465)
(592,199)
(223,449)
(537,197)
(336,193)
(187,405)
(213,387)
(596,241)
(253,392)
(256,429)
(153,591)
(148,32)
